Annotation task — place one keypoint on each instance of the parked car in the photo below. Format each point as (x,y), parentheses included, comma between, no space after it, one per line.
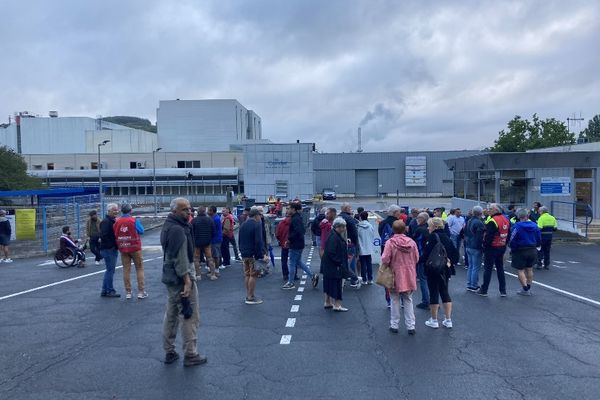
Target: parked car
(329,194)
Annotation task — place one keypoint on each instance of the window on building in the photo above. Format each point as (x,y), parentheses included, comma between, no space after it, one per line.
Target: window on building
(180,164)
(141,190)
(513,191)
(37,167)
(94,165)
(50,166)
(132,165)
(196,164)
(584,173)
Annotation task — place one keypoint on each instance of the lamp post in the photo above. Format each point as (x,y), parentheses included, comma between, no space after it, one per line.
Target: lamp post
(100,177)
(154,179)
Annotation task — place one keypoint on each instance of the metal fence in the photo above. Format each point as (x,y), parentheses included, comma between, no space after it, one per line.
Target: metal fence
(575,213)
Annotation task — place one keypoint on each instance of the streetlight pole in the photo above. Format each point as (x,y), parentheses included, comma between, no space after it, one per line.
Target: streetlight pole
(154,179)
(100,177)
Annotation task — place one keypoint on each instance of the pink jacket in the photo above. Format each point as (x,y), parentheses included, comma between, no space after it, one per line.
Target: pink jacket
(325,227)
(401,254)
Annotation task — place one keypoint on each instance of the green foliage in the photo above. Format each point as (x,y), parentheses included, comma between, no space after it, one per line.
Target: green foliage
(522,135)
(592,132)
(14,171)
(132,122)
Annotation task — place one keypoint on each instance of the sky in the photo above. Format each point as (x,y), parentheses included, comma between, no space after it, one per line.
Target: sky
(414,75)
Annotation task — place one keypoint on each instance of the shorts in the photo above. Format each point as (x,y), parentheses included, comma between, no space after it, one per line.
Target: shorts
(4,240)
(249,269)
(524,258)
(215,250)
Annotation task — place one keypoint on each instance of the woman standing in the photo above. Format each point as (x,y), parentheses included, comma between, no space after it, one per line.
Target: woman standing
(366,237)
(437,279)
(334,266)
(401,254)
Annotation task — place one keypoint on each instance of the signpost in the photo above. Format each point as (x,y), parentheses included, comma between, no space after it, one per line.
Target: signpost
(415,171)
(555,186)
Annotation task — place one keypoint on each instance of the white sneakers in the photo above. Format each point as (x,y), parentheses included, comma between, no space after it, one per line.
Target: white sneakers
(97,262)
(6,260)
(433,323)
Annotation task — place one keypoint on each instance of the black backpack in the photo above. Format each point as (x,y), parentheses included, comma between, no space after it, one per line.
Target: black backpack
(314,226)
(437,262)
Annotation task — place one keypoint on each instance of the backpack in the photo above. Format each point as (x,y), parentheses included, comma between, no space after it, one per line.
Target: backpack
(387,233)
(314,226)
(437,262)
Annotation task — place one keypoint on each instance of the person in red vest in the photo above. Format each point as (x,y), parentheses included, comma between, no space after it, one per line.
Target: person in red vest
(495,239)
(128,231)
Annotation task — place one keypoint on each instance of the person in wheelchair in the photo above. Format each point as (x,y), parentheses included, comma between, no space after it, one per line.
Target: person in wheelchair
(67,244)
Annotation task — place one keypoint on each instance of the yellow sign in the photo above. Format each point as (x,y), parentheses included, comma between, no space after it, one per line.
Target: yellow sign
(25,224)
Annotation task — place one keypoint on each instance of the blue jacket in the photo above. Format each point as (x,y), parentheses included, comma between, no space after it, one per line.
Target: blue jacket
(474,231)
(251,239)
(218,237)
(525,234)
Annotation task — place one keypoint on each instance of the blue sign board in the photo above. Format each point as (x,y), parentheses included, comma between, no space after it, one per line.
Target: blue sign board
(560,186)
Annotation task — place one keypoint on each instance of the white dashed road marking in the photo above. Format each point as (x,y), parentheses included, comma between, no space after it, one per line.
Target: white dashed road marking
(295,308)
(285,339)
(291,322)
(298,297)
(300,289)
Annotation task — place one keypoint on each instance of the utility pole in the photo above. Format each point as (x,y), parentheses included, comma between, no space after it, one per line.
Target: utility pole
(100,177)
(154,179)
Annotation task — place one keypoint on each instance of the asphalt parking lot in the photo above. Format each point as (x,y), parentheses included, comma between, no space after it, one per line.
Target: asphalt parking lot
(64,341)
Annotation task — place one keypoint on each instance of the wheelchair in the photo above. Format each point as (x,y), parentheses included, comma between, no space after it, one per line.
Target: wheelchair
(68,257)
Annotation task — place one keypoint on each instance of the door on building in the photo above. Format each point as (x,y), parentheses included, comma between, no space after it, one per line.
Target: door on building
(584,190)
(366,182)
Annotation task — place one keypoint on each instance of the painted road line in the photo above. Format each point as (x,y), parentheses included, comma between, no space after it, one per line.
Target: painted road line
(49,262)
(560,262)
(58,283)
(303,282)
(300,289)
(559,267)
(291,322)
(574,262)
(285,339)
(557,290)
(295,308)
(298,297)
(304,276)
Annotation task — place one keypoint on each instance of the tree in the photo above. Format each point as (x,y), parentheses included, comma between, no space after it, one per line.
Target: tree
(523,135)
(14,171)
(592,132)
(132,122)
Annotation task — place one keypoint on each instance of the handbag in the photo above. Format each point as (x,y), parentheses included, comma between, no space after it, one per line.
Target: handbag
(385,276)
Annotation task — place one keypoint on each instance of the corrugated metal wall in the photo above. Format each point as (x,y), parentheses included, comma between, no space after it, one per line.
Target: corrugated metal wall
(338,171)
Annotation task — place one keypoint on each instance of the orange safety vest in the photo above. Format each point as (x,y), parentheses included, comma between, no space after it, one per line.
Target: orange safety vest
(128,238)
(503,225)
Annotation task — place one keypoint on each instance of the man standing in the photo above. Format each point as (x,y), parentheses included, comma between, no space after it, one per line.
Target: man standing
(385,227)
(547,224)
(182,293)
(127,232)
(228,224)
(497,229)
(108,250)
(296,245)
(203,229)
(474,232)
(524,240)
(215,244)
(252,248)
(456,223)
(315,228)
(92,230)
(281,233)
(352,233)
(5,233)
(535,211)
(412,222)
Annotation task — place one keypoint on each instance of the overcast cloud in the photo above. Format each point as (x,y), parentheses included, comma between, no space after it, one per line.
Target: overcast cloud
(415,75)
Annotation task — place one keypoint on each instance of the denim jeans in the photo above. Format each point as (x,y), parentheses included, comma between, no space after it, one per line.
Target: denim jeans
(366,270)
(284,263)
(494,257)
(474,256)
(110,260)
(352,262)
(456,241)
(295,262)
(423,283)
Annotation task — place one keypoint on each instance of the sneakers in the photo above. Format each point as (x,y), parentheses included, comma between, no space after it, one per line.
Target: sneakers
(524,292)
(128,295)
(411,332)
(97,262)
(481,293)
(171,357)
(502,294)
(340,309)
(432,323)
(288,286)
(213,277)
(423,306)
(253,301)
(370,282)
(472,289)
(447,323)
(142,295)
(393,330)
(110,294)
(7,260)
(355,285)
(222,267)
(315,280)
(190,361)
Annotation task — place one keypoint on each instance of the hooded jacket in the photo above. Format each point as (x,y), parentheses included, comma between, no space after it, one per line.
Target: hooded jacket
(525,235)
(178,246)
(366,236)
(402,255)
